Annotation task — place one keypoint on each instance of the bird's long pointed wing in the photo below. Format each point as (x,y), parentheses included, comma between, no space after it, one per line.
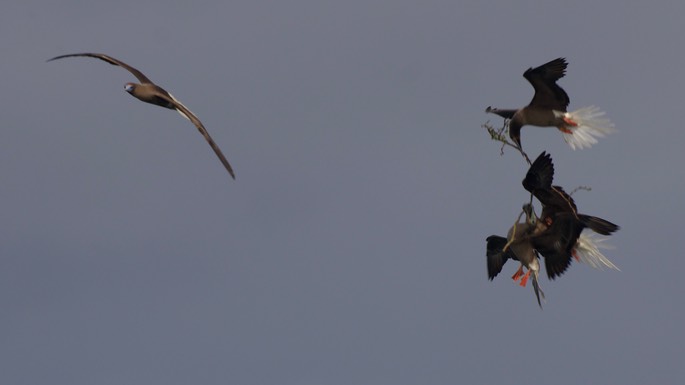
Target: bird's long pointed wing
(185,112)
(139,75)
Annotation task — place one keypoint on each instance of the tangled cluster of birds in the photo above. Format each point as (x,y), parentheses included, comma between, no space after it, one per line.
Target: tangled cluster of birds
(558,233)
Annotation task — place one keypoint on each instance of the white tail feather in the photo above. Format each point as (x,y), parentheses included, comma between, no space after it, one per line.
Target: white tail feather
(590,126)
(587,251)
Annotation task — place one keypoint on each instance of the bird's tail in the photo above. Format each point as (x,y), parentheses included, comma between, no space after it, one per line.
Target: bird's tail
(598,225)
(536,287)
(587,251)
(589,125)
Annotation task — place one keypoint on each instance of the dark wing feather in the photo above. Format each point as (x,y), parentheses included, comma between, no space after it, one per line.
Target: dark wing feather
(139,75)
(543,79)
(540,175)
(538,181)
(186,112)
(496,258)
(556,243)
(555,200)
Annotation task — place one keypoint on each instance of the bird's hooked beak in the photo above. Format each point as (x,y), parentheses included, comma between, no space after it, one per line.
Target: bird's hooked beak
(531,218)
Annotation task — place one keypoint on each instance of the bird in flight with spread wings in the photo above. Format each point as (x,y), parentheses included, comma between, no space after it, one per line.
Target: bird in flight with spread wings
(580,128)
(149,92)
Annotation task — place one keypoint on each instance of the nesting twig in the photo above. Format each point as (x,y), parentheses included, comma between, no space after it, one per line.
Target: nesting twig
(586,188)
(500,136)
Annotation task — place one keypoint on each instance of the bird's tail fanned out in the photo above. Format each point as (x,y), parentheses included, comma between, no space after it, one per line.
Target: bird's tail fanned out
(587,251)
(590,125)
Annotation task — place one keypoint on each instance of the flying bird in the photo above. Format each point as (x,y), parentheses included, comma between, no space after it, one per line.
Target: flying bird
(580,128)
(149,92)
(560,226)
(557,235)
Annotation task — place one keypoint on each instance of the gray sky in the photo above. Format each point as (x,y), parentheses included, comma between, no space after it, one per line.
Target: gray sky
(351,247)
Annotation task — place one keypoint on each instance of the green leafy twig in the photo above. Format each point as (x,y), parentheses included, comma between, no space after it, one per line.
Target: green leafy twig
(499,135)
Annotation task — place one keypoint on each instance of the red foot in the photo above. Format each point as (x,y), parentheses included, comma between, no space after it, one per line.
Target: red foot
(574,252)
(524,280)
(518,273)
(569,121)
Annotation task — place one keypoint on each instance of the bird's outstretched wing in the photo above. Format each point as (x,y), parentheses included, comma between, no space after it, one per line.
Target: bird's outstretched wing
(496,257)
(185,112)
(544,80)
(540,175)
(538,181)
(139,75)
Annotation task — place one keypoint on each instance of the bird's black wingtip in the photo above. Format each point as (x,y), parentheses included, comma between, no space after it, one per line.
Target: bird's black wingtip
(62,56)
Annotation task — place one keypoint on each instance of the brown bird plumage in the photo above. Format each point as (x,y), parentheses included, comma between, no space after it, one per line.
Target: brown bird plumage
(560,224)
(517,246)
(151,93)
(549,97)
(554,235)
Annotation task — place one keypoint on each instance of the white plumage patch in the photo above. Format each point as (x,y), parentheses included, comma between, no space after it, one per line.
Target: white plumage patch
(587,251)
(590,126)
(179,111)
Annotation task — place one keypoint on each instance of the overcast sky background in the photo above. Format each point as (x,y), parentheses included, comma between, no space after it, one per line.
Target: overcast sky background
(351,247)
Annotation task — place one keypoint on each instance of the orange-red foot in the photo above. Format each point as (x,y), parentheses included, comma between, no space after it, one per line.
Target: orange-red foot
(524,280)
(518,274)
(574,252)
(569,121)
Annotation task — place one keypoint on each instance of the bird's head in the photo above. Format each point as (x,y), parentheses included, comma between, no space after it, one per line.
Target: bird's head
(505,113)
(129,87)
(531,218)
